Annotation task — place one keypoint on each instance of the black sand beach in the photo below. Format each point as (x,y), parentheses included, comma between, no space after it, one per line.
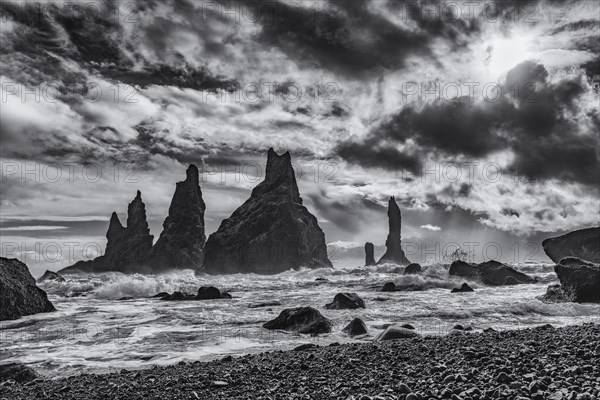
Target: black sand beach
(539,363)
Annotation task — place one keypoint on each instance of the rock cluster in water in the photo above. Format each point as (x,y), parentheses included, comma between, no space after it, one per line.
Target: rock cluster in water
(50,276)
(394,253)
(583,244)
(492,273)
(19,295)
(271,232)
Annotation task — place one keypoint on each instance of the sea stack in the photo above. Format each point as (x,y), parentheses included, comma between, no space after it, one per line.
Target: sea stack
(127,248)
(369,254)
(182,240)
(271,232)
(394,253)
(583,244)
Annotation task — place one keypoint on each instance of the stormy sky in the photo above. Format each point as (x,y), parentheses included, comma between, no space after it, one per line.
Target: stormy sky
(481,118)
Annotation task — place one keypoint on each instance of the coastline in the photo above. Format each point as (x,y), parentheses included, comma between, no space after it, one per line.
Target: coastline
(536,363)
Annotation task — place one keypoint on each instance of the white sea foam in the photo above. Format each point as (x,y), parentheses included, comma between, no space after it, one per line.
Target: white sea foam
(97,332)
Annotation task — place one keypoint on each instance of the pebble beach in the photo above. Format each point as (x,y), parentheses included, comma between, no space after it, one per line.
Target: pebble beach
(537,363)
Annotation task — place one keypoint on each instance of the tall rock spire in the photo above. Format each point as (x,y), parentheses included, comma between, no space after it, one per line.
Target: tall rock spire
(181,242)
(127,248)
(271,232)
(394,253)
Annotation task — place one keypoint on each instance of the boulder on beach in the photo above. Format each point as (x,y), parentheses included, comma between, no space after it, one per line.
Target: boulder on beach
(579,282)
(16,372)
(583,244)
(211,293)
(50,276)
(492,273)
(181,243)
(369,254)
(389,287)
(127,247)
(395,332)
(346,301)
(19,294)
(394,253)
(355,327)
(271,232)
(301,320)
(463,289)
(413,269)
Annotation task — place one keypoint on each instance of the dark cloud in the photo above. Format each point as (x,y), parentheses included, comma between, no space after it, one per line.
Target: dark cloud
(372,153)
(96,43)
(538,119)
(350,39)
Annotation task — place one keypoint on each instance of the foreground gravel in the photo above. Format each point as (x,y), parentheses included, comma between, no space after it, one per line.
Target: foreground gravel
(539,363)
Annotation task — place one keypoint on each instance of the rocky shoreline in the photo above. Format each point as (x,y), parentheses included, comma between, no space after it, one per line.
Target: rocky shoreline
(539,363)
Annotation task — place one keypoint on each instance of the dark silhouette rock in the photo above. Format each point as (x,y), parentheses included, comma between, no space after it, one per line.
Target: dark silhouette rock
(211,293)
(407,326)
(583,244)
(579,282)
(19,294)
(50,276)
(413,269)
(181,243)
(271,232)
(463,289)
(160,295)
(16,372)
(394,332)
(389,287)
(492,273)
(346,301)
(127,248)
(301,320)
(394,253)
(369,254)
(355,327)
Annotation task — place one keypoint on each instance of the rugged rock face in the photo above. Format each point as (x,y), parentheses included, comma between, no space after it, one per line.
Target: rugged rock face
(394,332)
(19,294)
(346,301)
(579,282)
(413,269)
(50,276)
(271,232)
(583,244)
(389,287)
(394,253)
(181,242)
(127,248)
(463,289)
(355,327)
(492,273)
(301,320)
(369,254)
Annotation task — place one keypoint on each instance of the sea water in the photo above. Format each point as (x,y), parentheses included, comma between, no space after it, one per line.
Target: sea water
(95,331)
